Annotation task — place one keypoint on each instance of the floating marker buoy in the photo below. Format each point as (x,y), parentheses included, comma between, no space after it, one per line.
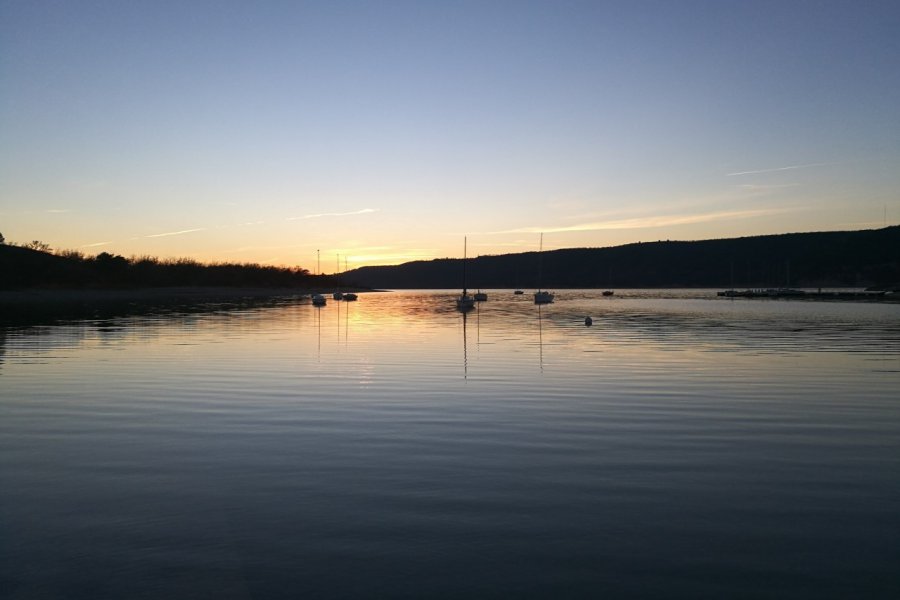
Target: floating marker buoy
(588,321)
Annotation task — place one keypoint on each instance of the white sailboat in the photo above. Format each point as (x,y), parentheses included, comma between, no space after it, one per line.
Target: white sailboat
(465,302)
(540,296)
(338,295)
(348,296)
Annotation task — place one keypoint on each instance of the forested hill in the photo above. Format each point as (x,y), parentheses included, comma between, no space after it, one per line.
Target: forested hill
(840,258)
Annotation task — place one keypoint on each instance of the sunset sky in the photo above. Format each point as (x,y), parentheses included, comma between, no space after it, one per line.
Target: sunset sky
(386,131)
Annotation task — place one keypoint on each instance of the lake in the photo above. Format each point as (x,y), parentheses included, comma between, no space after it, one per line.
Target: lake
(683,446)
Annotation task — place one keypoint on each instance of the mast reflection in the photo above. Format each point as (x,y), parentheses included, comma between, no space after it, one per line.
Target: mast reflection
(540,338)
(319,332)
(465,349)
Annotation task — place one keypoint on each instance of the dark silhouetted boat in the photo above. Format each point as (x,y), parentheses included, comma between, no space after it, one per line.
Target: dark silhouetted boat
(540,296)
(465,302)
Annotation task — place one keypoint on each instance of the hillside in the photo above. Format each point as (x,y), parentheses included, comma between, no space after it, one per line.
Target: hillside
(841,258)
(826,259)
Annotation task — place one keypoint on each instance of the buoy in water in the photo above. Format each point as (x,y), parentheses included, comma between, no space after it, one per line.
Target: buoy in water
(588,321)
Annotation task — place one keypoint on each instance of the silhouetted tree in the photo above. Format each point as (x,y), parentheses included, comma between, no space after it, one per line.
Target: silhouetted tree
(76,255)
(105,259)
(38,245)
(111,267)
(2,239)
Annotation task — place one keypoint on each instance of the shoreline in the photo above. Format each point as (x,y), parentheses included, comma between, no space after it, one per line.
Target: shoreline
(161,294)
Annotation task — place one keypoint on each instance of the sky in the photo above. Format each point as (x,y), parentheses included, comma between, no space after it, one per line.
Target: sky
(323,133)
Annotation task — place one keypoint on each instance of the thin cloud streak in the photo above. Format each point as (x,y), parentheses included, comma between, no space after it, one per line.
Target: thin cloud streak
(370,248)
(775,170)
(94,245)
(763,188)
(182,232)
(343,214)
(651,222)
(268,248)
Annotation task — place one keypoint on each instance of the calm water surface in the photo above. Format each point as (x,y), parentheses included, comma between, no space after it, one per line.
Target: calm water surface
(683,446)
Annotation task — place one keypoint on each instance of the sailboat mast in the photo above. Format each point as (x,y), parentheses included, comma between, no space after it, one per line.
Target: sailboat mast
(465,242)
(540,261)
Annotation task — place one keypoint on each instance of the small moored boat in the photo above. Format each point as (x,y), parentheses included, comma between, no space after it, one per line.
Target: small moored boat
(464,302)
(541,296)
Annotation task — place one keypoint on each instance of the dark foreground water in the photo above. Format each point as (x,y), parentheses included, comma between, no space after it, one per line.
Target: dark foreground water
(684,446)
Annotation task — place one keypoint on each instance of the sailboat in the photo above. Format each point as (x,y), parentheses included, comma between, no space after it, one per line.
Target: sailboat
(609,292)
(348,296)
(541,297)
(480,296)
(338,295)
(465,302)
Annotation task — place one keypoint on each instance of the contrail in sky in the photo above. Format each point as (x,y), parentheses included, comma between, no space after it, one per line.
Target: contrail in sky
(791,168)
(156,235)
(343,214)
(763,188)
(660,221)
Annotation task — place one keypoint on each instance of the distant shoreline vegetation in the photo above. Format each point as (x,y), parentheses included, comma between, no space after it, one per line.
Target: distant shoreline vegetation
(36,266)
(867,258)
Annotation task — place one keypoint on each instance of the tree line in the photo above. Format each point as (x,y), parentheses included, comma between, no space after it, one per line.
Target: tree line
(822,259)
(34,265)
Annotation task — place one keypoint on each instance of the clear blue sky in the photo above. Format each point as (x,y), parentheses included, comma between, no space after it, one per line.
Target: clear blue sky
(386,131)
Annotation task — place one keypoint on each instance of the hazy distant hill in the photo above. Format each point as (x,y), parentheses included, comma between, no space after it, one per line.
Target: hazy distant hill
(840,258)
